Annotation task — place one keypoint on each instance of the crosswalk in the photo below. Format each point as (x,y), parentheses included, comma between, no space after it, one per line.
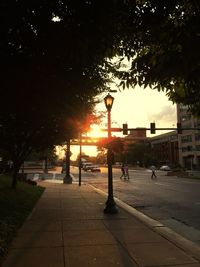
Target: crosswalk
(45,176)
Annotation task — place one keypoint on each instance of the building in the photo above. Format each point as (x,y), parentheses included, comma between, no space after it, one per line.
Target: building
(165,148)
(135,136)
(171,148)
(180,149)
(189,140)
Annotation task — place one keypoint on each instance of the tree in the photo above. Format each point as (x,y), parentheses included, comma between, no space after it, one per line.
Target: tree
(46,155)
(162,46)
(79,125)
(101,157)
(115,144)
(23,132)
(55,58)
(46,82)
(140,152)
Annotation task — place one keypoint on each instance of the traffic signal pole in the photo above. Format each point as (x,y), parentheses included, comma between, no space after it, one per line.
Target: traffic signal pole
(153,129)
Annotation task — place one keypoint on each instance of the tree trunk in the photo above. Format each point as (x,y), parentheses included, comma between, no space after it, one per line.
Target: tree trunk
(45,165)
(67,160)
(16,167)
(67,178)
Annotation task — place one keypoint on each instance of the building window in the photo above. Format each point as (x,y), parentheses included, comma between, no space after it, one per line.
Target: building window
(187,124)
(185,117)
(186,139)
(183,107)
(187,148)
(197,136)
(197,124)
(174,137)
(198,148)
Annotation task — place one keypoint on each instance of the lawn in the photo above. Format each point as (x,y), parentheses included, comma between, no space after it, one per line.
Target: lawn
(15,206)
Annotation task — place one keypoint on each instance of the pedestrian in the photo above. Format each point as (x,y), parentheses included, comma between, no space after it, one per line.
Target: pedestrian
(153,174)
(126,172)
(123,171)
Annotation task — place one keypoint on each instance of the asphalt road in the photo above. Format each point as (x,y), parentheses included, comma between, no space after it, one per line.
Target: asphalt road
(173,201)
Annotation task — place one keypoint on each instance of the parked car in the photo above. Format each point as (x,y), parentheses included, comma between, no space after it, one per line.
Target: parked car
(165,168)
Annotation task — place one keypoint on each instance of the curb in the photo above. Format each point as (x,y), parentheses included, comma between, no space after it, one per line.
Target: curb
(180,241)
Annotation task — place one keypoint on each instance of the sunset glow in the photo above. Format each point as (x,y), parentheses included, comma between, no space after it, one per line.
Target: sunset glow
(96,131)
(136,107)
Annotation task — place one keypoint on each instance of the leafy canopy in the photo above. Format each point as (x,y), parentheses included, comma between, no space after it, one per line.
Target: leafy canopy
(162,46)
(55,60)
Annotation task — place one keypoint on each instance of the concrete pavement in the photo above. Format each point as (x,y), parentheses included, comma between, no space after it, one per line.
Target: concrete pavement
(68,228)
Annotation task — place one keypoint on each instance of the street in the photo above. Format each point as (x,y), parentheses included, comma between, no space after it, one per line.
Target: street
(173,201)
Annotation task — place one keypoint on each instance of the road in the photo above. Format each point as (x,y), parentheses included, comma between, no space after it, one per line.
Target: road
(173,201)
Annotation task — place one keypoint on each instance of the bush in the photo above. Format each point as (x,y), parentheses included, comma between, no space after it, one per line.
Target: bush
(31,182)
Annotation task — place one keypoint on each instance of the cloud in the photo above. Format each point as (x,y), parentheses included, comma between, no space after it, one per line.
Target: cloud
(166,115)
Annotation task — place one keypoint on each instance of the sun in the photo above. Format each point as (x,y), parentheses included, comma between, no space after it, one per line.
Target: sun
(95,131)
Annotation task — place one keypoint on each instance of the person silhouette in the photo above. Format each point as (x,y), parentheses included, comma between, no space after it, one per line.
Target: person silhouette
(153,172)
(123,171)
(126,172)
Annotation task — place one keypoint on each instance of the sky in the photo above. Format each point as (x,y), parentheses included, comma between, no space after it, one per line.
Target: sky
(138,107)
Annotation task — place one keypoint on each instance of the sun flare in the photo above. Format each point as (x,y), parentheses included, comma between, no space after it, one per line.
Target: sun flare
(95,131)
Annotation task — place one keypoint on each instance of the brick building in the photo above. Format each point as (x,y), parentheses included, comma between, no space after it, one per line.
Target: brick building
(165,148)
(189,140)
(135,136)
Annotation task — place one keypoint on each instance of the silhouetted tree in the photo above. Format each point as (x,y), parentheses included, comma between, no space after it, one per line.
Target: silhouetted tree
(140,153)
(163,51)
(55,58)
(50,73)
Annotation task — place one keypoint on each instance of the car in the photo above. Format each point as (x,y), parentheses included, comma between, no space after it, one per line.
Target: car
(95,168)
(165,168)
(87,166)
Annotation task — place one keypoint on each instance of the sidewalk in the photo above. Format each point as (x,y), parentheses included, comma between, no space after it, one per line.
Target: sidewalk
(68,228)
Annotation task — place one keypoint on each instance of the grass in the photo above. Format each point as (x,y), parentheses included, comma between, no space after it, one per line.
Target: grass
(15,206)
(194,177)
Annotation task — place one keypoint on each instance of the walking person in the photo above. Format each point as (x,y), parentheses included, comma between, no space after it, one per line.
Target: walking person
(126,172)
(153,174)
(123,171)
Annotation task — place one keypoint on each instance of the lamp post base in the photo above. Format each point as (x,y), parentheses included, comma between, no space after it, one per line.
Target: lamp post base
(67,180)
(111,207)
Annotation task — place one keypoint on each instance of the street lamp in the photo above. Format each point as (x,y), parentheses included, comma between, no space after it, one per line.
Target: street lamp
(110,203)
(80,159)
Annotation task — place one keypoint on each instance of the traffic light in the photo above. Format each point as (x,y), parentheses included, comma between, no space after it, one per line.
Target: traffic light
(152,127)
(125,128)
(179,129)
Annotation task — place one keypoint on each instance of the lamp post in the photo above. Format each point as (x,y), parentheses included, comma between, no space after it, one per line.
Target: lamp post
(110,203)
(80,160)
